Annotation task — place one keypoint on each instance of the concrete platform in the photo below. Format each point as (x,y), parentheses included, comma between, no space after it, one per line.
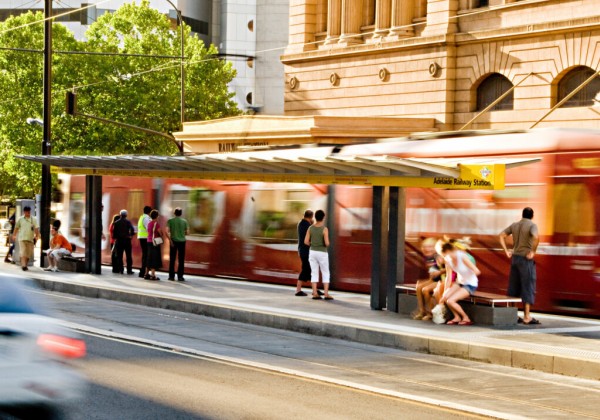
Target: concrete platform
(561,345)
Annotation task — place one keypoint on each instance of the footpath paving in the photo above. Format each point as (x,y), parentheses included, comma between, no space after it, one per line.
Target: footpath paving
(560,345)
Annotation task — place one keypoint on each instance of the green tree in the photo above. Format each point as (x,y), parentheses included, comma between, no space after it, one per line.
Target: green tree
(21,84)
(137,90)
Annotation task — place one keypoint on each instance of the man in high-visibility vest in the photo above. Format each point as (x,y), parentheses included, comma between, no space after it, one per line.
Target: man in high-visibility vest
(142,234)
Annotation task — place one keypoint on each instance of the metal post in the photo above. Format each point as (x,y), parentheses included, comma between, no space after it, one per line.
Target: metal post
(47,139)
(182,64)
(330,219)
(396,237)
(93,228)
(377,271)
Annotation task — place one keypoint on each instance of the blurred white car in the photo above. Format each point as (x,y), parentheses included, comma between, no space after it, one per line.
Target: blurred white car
(34,354)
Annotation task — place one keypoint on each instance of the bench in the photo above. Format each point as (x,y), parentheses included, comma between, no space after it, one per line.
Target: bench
(482,307)
(74,262)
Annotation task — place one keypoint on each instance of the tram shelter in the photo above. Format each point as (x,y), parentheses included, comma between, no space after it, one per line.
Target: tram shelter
(218,155)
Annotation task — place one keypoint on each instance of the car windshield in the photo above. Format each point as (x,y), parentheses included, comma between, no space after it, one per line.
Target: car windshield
(12,299)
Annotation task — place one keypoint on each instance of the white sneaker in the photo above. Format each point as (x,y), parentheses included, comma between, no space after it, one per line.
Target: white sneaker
(54,269)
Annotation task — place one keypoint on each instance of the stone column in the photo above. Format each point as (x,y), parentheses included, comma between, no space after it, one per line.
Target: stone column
(421,8)
(301,26)
(352,12)
(383,14)
(334,19)
(402,17)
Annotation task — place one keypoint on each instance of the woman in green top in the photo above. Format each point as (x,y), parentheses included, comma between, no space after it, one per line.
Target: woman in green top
(317,237)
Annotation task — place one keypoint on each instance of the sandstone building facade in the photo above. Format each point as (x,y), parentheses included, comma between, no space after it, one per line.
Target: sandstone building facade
(446,59)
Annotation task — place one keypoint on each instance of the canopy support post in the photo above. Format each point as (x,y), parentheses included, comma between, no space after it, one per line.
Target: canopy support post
(93,227)
(331,225)
(379,248)
(396,249)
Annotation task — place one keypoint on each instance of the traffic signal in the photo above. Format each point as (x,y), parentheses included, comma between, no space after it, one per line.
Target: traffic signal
(71,103)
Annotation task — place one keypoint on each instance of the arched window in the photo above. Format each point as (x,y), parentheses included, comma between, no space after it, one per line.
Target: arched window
(491,89)
(588,96)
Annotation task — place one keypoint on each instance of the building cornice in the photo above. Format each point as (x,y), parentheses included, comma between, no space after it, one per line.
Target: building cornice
(407,44)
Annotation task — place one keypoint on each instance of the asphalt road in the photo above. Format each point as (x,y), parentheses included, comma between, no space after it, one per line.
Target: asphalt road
(192,366)
(130,381)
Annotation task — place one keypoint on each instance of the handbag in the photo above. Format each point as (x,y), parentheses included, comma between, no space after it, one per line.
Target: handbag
(439,314)
(156,240)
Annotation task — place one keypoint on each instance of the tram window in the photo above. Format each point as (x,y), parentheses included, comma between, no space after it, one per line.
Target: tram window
(135,200)
(277,212)
(76,210)
(199,207)
(356,223)
(574,214)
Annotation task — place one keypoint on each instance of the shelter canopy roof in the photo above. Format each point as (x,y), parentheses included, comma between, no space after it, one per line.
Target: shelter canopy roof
(315,165)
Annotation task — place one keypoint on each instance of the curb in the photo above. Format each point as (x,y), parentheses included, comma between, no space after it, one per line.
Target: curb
(478,352)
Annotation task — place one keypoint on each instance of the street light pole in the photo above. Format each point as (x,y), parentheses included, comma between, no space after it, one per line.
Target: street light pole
(182,61)
(47,122)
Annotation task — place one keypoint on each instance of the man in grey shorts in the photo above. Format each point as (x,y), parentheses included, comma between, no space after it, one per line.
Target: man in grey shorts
(522,278)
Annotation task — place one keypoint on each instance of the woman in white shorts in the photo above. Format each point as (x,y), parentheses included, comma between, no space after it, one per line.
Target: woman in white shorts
(317,237)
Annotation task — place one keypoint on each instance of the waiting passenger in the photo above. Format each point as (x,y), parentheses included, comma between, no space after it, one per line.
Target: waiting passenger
(424,288)
(59,247)
(432,293)
(465,285)
(155,239)
(317,237)
(113,247)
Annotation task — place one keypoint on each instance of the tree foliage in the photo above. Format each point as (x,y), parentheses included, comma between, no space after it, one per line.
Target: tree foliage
(134,89)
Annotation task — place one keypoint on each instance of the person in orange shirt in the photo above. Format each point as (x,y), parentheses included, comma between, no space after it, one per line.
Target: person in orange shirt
(59,247)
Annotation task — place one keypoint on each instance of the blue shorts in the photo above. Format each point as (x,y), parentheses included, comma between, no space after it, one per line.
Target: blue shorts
(522,279)
(470,289)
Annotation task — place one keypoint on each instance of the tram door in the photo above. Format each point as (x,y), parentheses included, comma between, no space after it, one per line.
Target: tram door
(575,245)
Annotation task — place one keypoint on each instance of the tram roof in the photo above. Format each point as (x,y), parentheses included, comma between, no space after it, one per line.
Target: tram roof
(316,165)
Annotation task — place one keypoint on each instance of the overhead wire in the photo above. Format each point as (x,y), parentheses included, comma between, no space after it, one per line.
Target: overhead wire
(178,64)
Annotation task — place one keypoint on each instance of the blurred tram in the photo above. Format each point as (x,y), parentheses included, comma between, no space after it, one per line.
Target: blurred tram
(247,230)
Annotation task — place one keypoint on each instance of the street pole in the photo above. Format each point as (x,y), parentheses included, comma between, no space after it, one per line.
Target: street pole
(46,141)
(182,62)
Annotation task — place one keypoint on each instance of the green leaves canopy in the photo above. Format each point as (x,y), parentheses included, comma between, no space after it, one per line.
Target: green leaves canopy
(133,89)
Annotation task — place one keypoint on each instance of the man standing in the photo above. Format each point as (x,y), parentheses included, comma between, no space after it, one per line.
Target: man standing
(27,232)
(522,267)
(143,238)
(177,229)
(123,232)
(303,251)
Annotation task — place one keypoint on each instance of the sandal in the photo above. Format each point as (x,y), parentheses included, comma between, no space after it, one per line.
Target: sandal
(317,297)
(532,321)
(465,323)
(452,322)
(328,298)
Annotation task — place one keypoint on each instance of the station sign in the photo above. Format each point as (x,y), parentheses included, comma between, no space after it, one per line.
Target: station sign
(471,177)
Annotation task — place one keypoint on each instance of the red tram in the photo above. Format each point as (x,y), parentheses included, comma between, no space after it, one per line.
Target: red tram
(248,229)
